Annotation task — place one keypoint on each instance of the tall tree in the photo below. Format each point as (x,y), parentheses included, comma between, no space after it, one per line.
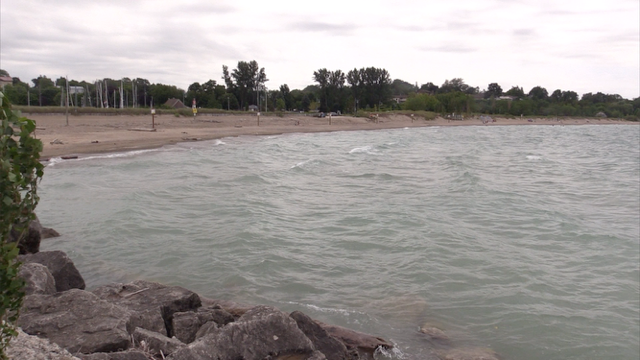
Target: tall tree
(286,97)
(245,81)
(538,93)
(321,76)
(493,90)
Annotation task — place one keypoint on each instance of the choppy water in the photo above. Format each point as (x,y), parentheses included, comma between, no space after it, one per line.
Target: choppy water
(521,239)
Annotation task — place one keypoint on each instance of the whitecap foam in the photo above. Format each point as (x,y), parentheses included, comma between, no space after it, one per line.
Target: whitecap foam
(363,149)
(393,353)
(327,310)
(219,142)
(301,164)
(534,157)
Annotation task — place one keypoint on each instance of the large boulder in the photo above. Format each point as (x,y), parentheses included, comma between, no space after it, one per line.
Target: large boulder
(261,333)
(156,343)
(61,267)
(185,325)
(38,279)
(364,343)
(29,240)
(151,303)
(77,320)
(131,354)
(29,347)
(48,233)
(331,347)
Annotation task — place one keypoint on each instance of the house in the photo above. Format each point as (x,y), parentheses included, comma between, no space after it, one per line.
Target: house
(175,103)
(5,80)
(253,108)
(399,99)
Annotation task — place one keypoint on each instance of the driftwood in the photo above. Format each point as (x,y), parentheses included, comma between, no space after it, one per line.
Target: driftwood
(142,129)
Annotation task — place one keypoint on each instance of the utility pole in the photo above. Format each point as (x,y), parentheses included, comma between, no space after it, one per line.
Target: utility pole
(67,108)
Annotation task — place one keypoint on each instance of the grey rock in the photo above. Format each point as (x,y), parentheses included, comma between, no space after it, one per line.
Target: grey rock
(122,355)
(48,233)
(38,279)
(331,347)
(152,304)
(215,313)
(29,241)
(206,329)
(261,333)
(156,342)
(356,340)
(29,347)
(61,267)
(185,326)
(316,355)
(77,320)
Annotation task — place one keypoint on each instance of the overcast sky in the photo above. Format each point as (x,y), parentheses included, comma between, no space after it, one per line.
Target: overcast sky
(579,45)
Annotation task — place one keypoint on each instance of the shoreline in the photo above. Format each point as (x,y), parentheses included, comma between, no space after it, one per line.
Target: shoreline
(96,134)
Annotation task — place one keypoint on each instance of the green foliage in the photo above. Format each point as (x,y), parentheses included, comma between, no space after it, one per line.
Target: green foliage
(493,90)
(20,171)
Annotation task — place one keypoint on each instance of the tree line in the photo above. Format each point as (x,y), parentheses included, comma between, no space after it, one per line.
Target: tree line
(370,89)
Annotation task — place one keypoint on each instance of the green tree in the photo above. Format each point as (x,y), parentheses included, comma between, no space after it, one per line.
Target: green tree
(400,87)
(493,90)
(245,81)
(286,97)
(20,171)
(516,92)
(538,93)
(430,88)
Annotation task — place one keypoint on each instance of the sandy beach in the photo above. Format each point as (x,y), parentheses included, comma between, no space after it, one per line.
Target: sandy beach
(89,134)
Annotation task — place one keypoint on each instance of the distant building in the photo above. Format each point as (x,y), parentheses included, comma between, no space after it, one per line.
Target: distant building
(253,108)
(175,103)
(5,80)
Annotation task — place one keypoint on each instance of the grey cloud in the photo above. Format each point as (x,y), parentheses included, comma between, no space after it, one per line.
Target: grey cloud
(317,26)
(449,49)
(524,32)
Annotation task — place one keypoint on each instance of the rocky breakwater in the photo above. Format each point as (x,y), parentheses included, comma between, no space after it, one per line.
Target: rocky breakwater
(147,320)
(142,320)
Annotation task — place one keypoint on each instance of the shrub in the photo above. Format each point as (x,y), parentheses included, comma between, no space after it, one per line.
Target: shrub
(20,171)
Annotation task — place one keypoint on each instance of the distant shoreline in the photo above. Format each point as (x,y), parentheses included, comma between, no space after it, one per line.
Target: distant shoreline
(91,134)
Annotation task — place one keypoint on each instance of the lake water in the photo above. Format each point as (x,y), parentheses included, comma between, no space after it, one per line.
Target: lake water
(521,239)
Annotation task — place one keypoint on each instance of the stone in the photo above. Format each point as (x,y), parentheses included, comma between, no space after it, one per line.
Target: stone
(206,328)
(232,307)
(468,354)
(261,333)
(331,347)
(61,267)
(29,242)
(152,304)
(38,279)
(48,233)
(156,343)
(185,325)
(215,313)
(317,355)
(29,347)
(434,333)
(353,339)
(130,354)
(77,320)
